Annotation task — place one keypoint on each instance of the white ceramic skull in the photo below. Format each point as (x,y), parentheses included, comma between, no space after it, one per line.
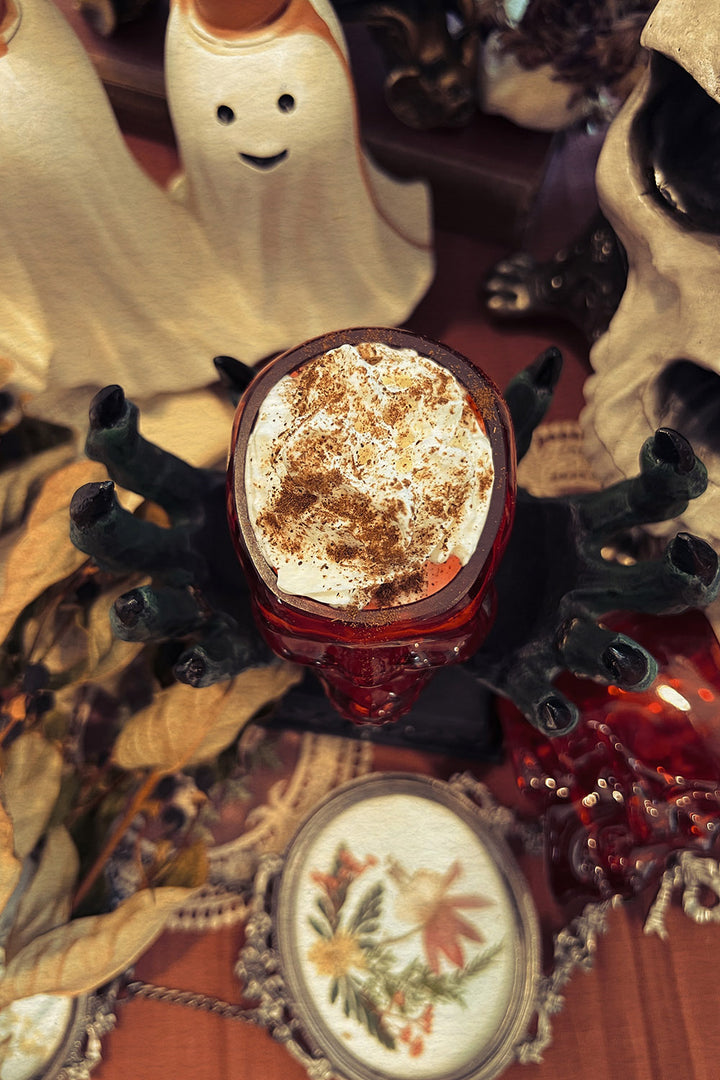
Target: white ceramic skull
(263,105)
(659,184)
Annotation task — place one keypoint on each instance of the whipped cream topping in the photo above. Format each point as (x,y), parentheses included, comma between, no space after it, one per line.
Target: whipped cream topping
(365,466)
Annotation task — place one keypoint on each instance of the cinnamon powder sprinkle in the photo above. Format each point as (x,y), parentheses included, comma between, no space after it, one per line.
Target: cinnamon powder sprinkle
(373,463)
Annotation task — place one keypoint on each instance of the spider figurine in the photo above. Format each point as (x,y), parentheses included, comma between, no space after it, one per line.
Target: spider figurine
(554,586)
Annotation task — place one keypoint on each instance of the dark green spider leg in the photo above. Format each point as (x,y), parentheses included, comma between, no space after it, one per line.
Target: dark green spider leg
(126,543)
(120,542)
(686,576)
(670,476)
(576,644)
(220,653)
(594,651)
(519,659)
(529,394)
(525,673)
(150,613)
(691,570)
(554,586)
(114,439)
(197,586)
(234,376)
(531,689)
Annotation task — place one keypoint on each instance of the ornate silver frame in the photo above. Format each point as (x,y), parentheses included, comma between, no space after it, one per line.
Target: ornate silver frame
(92,1016)
(268,964)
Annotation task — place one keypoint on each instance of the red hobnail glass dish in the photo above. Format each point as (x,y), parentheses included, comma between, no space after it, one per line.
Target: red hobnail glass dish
(638,780)
(374,663)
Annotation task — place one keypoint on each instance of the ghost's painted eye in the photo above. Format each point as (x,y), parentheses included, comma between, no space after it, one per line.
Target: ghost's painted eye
(286,103)
(225,114)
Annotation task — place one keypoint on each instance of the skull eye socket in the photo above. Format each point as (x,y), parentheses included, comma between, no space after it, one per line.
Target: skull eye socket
(688,399)
(676,138)
(225,114)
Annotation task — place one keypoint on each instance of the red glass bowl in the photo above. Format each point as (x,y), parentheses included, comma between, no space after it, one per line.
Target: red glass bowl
(374,663)
(638,780)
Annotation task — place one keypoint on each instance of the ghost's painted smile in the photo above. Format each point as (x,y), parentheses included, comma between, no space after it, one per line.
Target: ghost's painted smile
(264,162)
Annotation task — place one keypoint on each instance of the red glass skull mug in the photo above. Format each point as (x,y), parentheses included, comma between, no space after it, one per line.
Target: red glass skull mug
(374,662)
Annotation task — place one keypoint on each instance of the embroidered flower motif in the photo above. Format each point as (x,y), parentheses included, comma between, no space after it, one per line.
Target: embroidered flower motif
(346,869)
(328,882)
(336,956)
(424,901)
(416,1047)
(426,1019)
(392,997)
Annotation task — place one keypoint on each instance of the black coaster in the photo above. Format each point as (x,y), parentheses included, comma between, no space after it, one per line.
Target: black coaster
(454,716)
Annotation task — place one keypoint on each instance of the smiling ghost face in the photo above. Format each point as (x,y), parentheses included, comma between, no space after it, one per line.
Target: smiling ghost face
(259,115)
(226,115)
(256,112)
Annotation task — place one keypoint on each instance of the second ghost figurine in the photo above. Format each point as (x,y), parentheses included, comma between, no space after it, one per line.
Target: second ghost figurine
(264,110)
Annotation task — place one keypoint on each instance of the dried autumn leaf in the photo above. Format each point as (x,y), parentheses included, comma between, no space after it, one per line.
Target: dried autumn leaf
(56,638)
(10,865)
(20,482)
(47,901)
(184,725)
(76,646)
(82,955)
(29,787)
(44,553)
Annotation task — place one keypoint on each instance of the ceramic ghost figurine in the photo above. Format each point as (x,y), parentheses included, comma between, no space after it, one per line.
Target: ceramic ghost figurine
(659,182)
(264,110)
(103,278)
